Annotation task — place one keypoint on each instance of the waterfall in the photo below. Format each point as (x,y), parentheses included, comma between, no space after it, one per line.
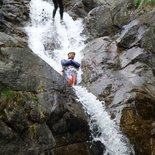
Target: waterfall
(51,41)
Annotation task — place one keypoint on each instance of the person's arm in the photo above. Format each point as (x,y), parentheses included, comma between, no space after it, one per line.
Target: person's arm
(66,63)
(75,64)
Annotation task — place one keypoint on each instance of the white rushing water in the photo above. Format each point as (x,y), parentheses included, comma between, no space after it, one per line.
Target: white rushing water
(44,34)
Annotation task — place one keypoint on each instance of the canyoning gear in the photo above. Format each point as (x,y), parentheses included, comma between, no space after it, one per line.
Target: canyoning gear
(70,75)
(70,68)
(70,62)
(71,55)
(60,4)
(62,22)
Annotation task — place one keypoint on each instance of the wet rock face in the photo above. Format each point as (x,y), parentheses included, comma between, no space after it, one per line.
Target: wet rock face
(13,15)
(98,25)
(123,12)
(38,111)
(120,71)
(35,101)
(147,40)
(89,5)
(68,4)
(137,120)
(39,114)
(78,10)
(1,3)
(107,17)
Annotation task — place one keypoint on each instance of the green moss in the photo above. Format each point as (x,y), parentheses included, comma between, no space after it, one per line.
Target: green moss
(6,96)
(9,99)
(139,3)
(7,93)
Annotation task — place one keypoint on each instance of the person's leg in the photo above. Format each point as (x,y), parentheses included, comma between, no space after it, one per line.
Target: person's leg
(55,7)
(74,80)
(61,8)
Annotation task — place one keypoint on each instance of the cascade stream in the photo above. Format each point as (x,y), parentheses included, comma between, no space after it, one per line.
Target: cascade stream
(51,41)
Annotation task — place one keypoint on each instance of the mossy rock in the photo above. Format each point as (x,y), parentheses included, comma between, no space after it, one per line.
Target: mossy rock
(19,109)
(136,123)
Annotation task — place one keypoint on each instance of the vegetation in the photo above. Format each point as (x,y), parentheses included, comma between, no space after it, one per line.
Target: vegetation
(139,3)
(7,93)
(7,96)
(9,99)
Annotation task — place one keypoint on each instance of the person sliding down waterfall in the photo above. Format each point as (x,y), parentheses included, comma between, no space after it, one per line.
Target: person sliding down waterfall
(60,4)
(70,68)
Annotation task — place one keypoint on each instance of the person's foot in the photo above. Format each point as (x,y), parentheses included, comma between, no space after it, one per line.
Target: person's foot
(53,20)
(62,22)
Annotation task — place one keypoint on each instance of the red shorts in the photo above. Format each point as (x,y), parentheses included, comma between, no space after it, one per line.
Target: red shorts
(72,80)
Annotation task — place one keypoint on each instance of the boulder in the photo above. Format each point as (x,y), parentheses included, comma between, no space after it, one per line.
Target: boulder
(99,23)
(13,15)
(124,79)
(38,110)
(108,18)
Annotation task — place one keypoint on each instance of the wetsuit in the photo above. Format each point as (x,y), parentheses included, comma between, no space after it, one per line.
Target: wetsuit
(60,4)
(67,63)
(70,68)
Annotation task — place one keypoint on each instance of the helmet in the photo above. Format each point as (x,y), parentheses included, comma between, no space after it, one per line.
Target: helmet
(71,53)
